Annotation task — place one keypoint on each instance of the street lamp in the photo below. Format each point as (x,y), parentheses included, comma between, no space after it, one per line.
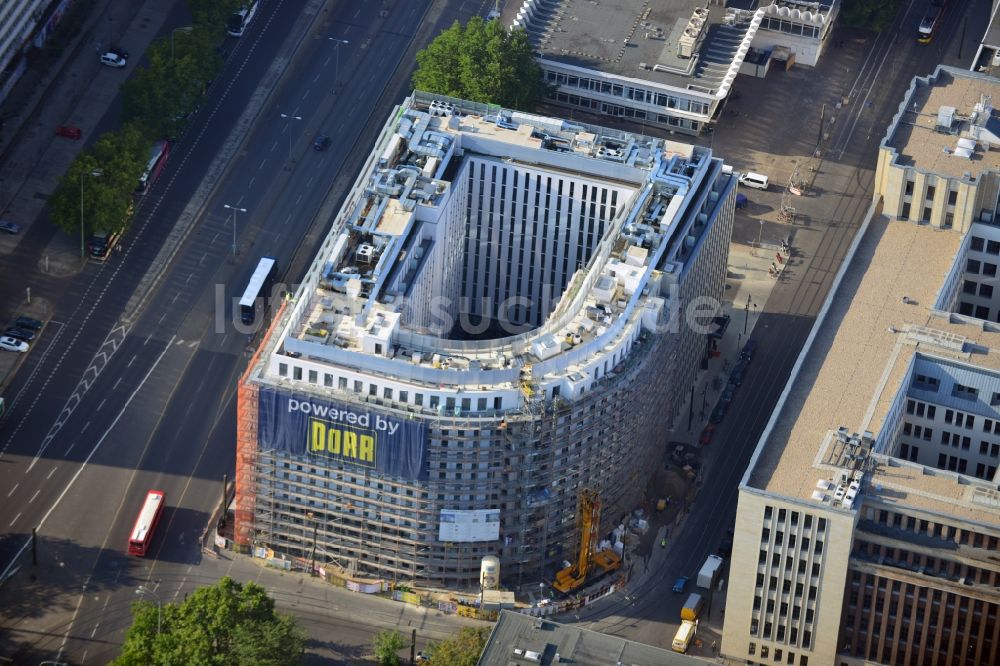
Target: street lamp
(141,590)
(235,210)
(95,173)
(183,28)
(760,235)
(336,50)
(289,128)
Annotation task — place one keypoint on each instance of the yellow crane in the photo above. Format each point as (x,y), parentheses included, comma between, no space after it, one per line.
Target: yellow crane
(588,524)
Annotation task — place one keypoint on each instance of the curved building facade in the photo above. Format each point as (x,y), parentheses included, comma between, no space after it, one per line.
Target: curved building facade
(509,308)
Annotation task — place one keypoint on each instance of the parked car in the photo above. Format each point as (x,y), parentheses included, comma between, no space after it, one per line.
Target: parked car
(736,376)
(728,393)
(321,142)
(719,412)
(114,59)
(20,333)
(748,349)
(726,546)
(9,227)
(706,434)
(69,131)
(680,584)
(13,344)
(28,323)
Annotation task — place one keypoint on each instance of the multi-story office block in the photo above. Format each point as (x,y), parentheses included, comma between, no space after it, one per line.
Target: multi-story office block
(508,309)
(671,63)
(868,523)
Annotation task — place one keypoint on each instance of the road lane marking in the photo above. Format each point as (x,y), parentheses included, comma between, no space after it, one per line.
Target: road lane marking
(79,471)
(146,341)
(34,496)
(85,426)
(162,317)
(101,405)
(51,473)
(115,387)
(13,489)
(275,144)
(15,519)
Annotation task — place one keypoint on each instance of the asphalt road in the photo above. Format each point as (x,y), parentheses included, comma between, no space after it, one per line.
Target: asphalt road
(875,79)
(115,401)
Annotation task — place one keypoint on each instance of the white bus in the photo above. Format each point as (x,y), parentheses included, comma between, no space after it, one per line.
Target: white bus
(258,286)
(239,21)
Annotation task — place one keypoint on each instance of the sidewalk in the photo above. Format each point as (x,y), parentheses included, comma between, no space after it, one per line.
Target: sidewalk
(76,90)
(747,277)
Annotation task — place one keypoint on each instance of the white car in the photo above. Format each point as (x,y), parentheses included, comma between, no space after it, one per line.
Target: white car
(113,59)
(13,344)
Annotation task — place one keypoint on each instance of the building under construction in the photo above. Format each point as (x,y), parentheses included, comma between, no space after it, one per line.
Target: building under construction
(509,309)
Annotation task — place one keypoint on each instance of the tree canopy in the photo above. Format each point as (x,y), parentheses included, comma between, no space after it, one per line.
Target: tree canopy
(482,62)
(871,15)
(387,645)
(462,650)
(99,183)
(229,623)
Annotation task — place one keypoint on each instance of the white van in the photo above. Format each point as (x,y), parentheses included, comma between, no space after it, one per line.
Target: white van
(758,181)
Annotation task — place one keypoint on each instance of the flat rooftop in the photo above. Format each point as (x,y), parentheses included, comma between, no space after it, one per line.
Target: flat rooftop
(520,639)
(639,39)
(880,317)
(918,138)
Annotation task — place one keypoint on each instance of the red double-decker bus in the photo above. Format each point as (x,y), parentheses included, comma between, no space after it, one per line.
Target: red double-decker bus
(145,524)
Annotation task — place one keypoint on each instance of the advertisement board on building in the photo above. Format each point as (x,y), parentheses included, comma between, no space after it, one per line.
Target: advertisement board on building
(468,526)
(305,425)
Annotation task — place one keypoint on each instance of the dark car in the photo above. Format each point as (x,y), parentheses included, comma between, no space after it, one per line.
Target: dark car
(9,227)
(736,376)
(27,323)
(69,131)
(726,547)
(748,350)
(728,393)
(321,142)
(706,434)
(719,412)
(680,584)
(20,334)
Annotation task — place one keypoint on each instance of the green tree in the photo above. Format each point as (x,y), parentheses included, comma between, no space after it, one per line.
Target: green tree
(96,190)
(159,97)
(483,62)
(228,623)
(872,15)
(213,14)
(387,644)
(462,650)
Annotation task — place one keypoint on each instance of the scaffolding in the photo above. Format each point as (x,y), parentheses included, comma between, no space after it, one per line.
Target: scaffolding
(247,410)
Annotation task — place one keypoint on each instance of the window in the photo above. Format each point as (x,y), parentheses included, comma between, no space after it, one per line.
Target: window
(342,383)
(359,386)
(989,270)
(905,213)
(327,380)
(753,649)
(952,197)
(977,243)
(313,377)
(965,392)
(373,390)
(387,393)
(986,291)
(927,214)
(282,369)
(993,247)
(969,287)
(297,372)
(909,188)
(972,266)
(995,400)
(930,193)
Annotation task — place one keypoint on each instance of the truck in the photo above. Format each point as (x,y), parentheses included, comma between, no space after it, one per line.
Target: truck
(685,633)
(709,570)
(692,607)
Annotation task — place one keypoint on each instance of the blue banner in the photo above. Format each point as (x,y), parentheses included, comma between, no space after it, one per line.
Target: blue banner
(336,432)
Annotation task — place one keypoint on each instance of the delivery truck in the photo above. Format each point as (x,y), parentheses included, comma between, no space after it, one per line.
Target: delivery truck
(692,607)
(709,572)
(684,635)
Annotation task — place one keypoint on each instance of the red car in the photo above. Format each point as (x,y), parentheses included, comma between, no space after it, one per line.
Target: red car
(69,131)
(706,435)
